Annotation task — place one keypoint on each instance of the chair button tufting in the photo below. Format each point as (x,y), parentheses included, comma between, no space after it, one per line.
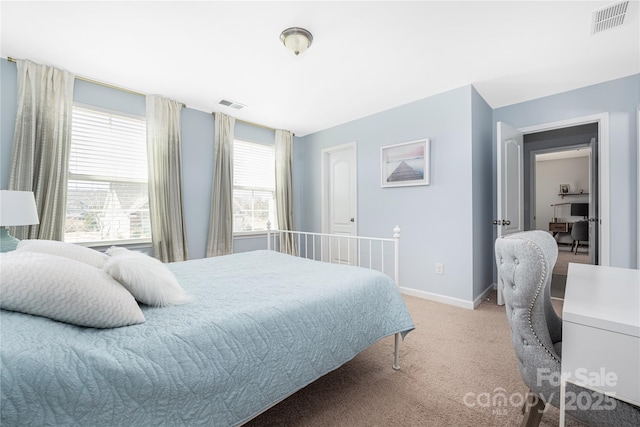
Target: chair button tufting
(501,260)
(513,286)
(516,261)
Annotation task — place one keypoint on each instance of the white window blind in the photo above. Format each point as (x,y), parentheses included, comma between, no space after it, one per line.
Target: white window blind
(254,185)
(107,195)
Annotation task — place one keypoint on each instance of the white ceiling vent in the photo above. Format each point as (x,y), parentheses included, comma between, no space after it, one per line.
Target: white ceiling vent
(231,104)
(608,17)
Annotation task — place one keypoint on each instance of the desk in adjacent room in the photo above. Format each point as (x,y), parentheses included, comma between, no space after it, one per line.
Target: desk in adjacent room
(560,227)
(601,331)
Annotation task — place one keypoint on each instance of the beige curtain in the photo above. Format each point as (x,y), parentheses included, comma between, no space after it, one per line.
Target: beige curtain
(284,189)
(220,241)
(41,141)
(164,155)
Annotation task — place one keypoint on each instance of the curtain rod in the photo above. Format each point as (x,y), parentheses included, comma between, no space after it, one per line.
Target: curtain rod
(255,124)
(88,80)
(251,123)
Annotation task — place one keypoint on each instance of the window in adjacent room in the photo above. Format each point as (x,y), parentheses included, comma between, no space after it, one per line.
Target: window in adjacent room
(253,187)
(107,195)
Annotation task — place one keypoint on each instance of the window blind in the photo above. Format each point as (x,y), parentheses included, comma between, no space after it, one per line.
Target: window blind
(107,195)
(253,165)
(253,186)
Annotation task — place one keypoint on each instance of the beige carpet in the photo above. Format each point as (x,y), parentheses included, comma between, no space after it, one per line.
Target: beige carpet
(559,279)
(565,257)
(453,354)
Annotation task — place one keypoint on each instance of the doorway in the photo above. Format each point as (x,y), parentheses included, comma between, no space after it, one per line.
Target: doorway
(510,198)
(561,195)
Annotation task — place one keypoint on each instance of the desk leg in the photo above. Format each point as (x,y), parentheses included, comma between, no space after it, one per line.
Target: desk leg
(563,389)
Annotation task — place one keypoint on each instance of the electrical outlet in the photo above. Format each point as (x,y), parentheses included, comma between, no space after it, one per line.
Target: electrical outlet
(439,268)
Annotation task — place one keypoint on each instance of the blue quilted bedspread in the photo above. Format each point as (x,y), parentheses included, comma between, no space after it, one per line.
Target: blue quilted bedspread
(261,326)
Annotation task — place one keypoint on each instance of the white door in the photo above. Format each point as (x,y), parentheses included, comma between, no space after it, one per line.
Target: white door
(339,202)
(594,217)
(510,185)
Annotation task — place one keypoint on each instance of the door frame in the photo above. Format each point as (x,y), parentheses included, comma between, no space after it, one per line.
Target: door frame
(603,170)
(324,182)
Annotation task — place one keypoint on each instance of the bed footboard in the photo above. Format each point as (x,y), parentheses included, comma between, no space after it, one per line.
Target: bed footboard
(376,253)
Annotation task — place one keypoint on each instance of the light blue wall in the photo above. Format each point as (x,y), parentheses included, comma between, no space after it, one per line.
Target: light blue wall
(448,221)
(197,150)
(620,98)
(436,220)
(197,174)
(482,143)
(109,98)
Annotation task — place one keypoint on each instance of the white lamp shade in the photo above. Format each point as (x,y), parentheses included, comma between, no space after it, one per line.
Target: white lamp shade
(17,208)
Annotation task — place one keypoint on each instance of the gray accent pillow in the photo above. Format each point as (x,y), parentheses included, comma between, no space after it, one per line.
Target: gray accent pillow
(65,290)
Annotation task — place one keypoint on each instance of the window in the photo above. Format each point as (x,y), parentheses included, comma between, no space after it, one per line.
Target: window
(254,183)
(107,195)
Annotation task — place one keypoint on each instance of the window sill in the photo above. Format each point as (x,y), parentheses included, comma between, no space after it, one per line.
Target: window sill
(250,235)
(133,245)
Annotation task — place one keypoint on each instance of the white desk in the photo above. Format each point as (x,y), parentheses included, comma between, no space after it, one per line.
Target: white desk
(601,332)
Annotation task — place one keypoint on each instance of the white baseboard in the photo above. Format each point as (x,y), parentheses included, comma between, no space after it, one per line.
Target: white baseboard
(445,299)
(478,300)
(438,298)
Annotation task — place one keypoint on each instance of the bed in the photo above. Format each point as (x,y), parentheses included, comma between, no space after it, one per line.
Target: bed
(254,333)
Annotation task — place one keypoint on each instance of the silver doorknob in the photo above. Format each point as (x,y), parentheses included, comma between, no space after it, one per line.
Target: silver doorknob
(506,222)
(352,220)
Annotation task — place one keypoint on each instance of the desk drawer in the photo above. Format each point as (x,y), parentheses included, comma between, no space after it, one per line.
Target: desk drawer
(586,351)
(559,227)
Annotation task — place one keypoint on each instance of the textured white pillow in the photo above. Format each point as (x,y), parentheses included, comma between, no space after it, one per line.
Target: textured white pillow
(67,250)
(148,279)
(66,290)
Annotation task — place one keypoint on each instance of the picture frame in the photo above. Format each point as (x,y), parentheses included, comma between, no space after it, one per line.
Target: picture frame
(564,188)
(405,164)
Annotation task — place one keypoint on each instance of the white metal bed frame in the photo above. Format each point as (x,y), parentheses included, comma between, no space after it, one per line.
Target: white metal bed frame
(309,242)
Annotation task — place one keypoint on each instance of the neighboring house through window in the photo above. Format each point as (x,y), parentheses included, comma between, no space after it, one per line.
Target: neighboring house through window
(253,187)
(107,194)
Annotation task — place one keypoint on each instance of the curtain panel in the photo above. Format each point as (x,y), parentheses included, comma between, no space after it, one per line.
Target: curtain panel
(220,241)
(41,144)
(164,156)
(284,189)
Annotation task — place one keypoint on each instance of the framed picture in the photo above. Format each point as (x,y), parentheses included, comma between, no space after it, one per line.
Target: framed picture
(564,188)
(405,164)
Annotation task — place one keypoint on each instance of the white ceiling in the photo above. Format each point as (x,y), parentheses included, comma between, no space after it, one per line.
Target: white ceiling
(366,57)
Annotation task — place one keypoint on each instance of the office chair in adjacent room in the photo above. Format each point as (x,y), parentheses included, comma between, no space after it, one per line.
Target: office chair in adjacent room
(525,263)
(580,233)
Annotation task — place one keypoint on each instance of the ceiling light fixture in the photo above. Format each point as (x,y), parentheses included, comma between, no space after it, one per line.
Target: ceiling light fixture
(297,40)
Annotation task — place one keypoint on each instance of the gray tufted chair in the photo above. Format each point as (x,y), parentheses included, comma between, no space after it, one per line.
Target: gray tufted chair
(525,262)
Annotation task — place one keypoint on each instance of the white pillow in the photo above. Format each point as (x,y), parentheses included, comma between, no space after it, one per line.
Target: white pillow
(66,290)
(148,279)
(67,250)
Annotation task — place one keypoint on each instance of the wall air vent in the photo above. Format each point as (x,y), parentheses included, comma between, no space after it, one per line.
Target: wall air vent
(231,104)
(608,17)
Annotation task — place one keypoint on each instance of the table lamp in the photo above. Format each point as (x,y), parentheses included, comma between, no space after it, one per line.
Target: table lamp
(16,208)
